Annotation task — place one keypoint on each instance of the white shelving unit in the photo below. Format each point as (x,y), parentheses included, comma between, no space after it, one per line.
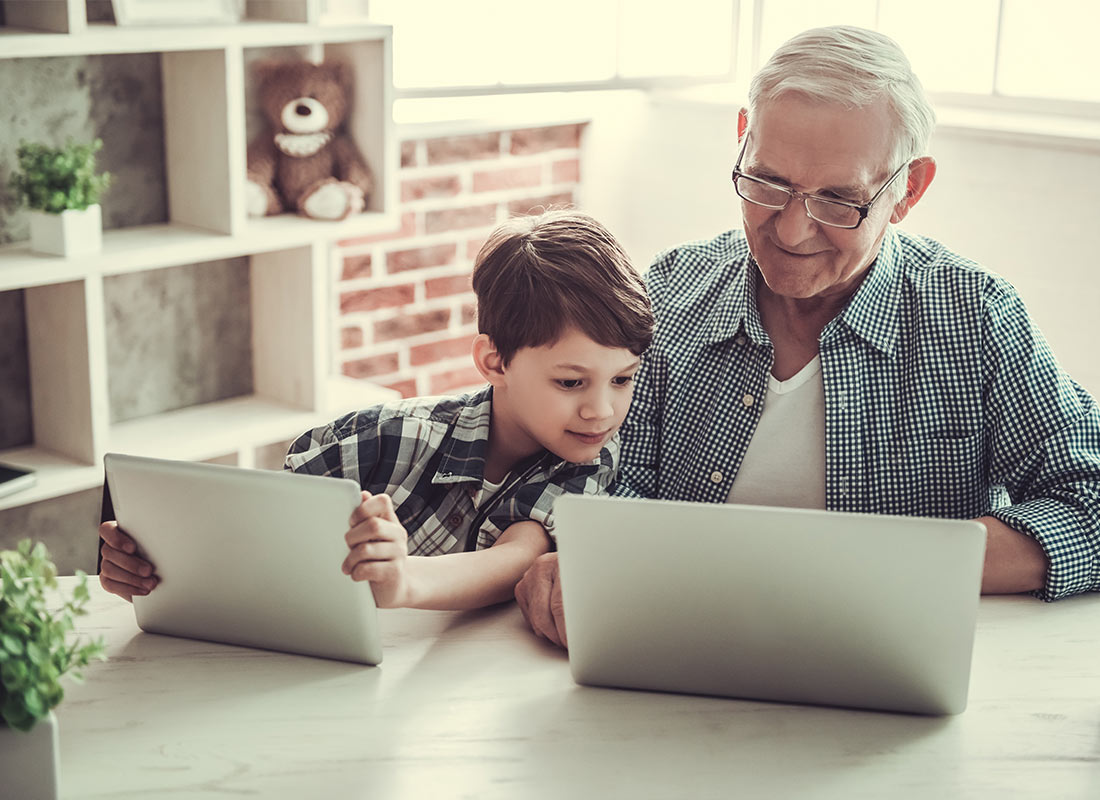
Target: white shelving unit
(290,257)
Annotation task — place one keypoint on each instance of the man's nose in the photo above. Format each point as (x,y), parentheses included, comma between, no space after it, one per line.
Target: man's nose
(793,224)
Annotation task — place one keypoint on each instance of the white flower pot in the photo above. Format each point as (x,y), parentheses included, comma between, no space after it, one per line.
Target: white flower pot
(70,233)
(29,761)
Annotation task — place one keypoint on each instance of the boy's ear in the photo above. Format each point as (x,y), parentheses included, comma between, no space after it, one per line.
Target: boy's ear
(487,359)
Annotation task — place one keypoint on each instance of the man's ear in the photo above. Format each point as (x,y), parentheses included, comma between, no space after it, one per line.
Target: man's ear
(488,360)
(921,172)
(742,123)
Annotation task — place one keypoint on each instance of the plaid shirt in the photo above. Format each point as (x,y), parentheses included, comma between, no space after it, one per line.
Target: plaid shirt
(428,455)
(942,399)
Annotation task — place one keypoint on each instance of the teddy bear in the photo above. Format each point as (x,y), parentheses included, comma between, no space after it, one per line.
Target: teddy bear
(306,163)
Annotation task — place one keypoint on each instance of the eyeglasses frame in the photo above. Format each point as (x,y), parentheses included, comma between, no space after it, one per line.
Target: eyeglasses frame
(863,210)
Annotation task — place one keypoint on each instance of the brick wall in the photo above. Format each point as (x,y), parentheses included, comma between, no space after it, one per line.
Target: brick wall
(405,313)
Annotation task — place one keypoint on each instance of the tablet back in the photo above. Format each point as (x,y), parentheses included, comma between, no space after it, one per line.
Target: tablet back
(246,557)
(793,605)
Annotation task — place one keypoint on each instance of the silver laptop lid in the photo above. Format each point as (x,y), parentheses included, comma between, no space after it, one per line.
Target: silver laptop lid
(246,557)
(792,605)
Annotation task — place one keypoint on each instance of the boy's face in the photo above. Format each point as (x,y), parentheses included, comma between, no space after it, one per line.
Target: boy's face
(568,397)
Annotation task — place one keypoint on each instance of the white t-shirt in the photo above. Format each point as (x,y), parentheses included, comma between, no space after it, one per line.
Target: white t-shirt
(785,462)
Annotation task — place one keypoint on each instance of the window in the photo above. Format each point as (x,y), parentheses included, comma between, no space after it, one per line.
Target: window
(975,48)
(483,46)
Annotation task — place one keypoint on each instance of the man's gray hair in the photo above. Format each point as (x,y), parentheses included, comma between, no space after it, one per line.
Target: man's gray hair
(853,67)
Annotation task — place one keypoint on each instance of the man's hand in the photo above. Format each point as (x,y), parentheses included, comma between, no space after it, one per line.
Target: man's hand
(539,596)
(122,572)
(1014,562)
(379,550)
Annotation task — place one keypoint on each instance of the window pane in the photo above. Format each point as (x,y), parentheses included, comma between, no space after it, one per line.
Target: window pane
(559,42)
(1049,49)
(689,37)
(782,19)
(441,43)
(955,56)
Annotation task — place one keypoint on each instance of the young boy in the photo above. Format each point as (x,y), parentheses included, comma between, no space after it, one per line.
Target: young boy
(458,491)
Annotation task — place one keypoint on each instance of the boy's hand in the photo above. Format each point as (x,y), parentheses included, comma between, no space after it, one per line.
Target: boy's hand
(123,572)
(538,594)
(379,548)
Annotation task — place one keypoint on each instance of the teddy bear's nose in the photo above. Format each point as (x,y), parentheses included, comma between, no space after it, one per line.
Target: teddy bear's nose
(302,110)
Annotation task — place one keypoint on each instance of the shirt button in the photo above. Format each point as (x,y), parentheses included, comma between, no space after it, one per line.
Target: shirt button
(454,520)
(716,476)
(748,400)
(740,340)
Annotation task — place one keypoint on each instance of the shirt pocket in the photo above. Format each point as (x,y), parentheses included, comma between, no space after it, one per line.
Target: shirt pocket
(936,476)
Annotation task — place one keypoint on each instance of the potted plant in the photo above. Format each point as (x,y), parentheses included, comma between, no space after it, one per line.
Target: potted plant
(62,190)
(35,653)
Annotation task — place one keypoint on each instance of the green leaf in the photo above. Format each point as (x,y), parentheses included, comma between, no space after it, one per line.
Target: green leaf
(12,645)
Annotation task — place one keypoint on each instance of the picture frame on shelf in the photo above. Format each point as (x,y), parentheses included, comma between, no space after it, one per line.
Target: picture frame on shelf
(175,12)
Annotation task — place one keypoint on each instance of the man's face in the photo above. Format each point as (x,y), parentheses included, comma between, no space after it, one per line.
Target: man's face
(568,397)
(821,149)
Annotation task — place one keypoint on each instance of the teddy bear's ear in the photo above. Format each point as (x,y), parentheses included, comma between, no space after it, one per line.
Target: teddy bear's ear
(340,72)
(265,70)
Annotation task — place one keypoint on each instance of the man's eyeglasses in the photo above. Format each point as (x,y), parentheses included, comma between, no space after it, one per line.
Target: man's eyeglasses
(836,213)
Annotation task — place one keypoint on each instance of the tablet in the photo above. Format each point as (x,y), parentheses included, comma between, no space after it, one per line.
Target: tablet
(246,557)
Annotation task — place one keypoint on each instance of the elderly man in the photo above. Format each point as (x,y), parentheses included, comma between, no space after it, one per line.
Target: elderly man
(822,359)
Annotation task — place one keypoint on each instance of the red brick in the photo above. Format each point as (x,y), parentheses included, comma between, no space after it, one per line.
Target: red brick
(449,381)
(407,229)
(440,186)
(407,388)
(450,219)
(473,247)
(537,205)
(369,367)
(438,351)
(356,267)
(567,171)
(420,257)
(373,299)
(450,149)
(350,337)
(539,140)
(443,287)
(469,313)
(408,325)
(510,178)
(408,153)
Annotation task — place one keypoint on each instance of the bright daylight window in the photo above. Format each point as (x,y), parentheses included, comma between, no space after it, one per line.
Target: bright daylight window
(990,48)
(1015,54)
(478,46)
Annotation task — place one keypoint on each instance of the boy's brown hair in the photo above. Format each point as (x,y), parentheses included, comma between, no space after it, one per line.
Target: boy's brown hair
(538,275)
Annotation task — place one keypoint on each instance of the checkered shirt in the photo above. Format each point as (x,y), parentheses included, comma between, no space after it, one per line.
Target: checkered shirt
(428,455)
(942,398)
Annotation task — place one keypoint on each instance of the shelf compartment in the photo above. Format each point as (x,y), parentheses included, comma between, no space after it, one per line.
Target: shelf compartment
(56,475)
(242,423)
(233,431)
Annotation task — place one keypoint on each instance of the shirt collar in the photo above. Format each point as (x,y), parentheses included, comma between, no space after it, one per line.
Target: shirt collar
(463,457)
(871,313)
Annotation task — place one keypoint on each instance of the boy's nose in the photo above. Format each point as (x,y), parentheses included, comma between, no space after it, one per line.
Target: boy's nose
(597,407)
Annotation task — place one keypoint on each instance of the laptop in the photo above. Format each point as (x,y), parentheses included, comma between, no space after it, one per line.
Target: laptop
(246,557)
(791,605)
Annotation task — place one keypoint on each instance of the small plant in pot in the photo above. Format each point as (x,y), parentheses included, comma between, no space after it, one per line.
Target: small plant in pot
(35,654)
(61,188)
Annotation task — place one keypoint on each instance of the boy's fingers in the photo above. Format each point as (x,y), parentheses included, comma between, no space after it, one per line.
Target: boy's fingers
(371,552)
(135,565)
(119,577)
(113,535)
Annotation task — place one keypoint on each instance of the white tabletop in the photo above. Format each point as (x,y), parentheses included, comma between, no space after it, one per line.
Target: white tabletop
(472,705)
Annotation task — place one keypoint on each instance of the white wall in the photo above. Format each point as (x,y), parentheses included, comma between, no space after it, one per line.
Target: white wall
(656,171)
